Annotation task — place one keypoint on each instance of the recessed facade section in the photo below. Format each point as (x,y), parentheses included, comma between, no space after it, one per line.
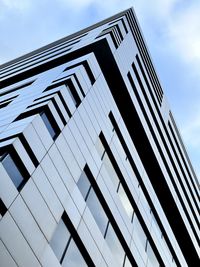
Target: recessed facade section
(13,170)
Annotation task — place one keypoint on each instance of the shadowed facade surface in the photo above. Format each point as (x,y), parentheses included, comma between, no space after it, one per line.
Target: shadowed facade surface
(93,171)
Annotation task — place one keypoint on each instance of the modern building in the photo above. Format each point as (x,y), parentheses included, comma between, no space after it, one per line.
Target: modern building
(93,171)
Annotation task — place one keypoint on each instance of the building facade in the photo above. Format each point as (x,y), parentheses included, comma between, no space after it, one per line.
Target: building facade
(93,171)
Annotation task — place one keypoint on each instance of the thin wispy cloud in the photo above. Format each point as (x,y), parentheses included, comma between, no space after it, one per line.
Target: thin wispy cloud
(184,32)
(178,25)
(191,132)
(19,5)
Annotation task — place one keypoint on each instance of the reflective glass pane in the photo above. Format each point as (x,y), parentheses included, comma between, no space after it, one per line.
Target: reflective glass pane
(144,202)
(97,211)
(174,263)
(139,231)
(151,256)
(83,184)
(73,257)
(154,222)
(12,170)
(127,263)
(125,201)
(167,250)
(48,124)
(114,245)
(111,171)
(60,239)
(100,148)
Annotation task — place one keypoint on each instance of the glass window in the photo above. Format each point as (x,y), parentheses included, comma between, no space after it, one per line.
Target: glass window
(125,201)
(151,256)
(100,148)
(97,211)
(65,248)
(114,245)
(127,262)
(111,171)
(173,263)
(12,170)
(144,202)
(84,185)
(60,239)
(48,124)
(73,257)
(167,250)
(139,231)
(154,222)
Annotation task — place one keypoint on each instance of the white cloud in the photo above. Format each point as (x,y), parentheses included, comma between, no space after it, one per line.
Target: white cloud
(155,9)
(174,25)
(103,8)
(15,4)
(191,131)
(191,136)
(77,3)
(184,29)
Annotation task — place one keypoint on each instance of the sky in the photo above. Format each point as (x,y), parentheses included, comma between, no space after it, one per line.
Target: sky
(171,29)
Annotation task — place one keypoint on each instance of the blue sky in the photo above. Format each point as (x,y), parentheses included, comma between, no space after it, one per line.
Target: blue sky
(171,29)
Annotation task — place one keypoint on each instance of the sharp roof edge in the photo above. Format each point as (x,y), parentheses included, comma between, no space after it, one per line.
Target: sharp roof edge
(76,34)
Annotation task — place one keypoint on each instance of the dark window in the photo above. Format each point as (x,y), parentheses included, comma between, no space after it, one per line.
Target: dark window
(3,208)
(87,69)
(48,124)
(65,248)
(13,171)
(72,96)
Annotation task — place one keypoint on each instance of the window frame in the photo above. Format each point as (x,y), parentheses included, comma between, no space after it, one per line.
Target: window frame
(18,164)
(73,235)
